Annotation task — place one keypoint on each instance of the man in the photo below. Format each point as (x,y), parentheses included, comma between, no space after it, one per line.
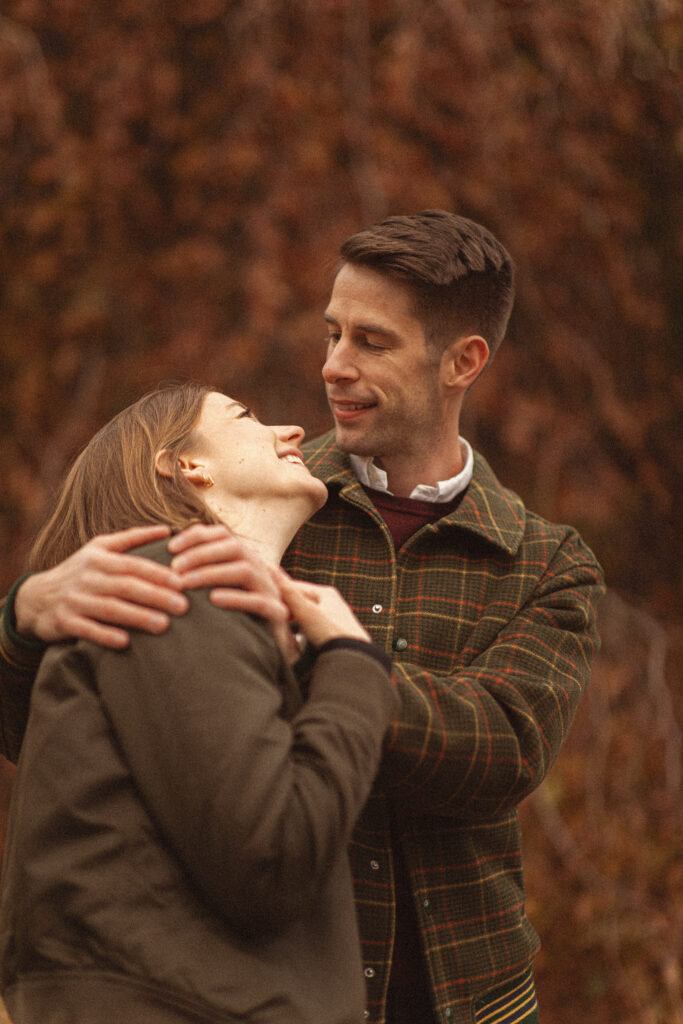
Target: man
(487,609)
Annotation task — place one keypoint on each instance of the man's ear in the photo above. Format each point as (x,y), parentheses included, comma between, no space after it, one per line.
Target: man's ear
(462,362)
(192,470)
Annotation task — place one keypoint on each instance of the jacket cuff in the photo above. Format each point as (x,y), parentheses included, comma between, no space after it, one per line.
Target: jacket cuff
(364,646)
(18,650)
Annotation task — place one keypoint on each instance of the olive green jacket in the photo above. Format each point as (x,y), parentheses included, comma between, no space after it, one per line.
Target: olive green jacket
(177,843)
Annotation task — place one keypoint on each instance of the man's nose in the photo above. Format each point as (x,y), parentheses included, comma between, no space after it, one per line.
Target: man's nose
(339,364)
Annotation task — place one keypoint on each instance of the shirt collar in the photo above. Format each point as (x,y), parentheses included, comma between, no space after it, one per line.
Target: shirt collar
(487,509)
(372,476)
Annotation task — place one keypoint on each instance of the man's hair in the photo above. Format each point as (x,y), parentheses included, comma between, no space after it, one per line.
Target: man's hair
(461,277)
(113,483)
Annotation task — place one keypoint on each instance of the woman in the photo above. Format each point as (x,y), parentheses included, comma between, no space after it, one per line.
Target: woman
(177,839)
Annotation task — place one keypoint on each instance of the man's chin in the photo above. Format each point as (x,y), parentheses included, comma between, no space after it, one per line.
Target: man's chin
(352,445)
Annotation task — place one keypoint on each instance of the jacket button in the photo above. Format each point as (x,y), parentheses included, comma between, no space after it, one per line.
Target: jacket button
(377,608)
(374,864)
(400,643)
(369,972)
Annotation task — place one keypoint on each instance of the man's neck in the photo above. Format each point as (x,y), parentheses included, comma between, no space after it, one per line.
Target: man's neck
(443,489)
(403,476)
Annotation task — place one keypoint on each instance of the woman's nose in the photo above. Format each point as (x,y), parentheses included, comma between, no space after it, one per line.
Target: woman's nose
(290,433)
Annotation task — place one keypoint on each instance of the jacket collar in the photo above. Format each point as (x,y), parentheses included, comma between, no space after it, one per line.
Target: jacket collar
(487,509)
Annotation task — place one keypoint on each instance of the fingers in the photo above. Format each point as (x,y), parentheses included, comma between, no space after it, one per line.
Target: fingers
(144,578)
(104,636)
(105,556)
(287,642)
(243,574)
(121,612)
(126,594)
(101,576)
(133,537)
(298,590)
(223,552)
(199,534)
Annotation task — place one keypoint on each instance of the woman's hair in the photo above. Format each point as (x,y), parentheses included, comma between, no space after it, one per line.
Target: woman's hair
(114,483)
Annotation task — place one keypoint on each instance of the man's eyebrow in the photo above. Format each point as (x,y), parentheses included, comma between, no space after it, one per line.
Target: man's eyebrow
(369,328)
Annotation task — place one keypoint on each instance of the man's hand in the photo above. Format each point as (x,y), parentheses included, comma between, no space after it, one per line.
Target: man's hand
(211,556)
(99,589)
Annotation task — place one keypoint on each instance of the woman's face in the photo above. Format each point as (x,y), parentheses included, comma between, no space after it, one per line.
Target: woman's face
(248,460)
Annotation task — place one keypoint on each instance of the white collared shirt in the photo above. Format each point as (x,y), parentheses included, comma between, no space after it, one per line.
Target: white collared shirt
(444,490)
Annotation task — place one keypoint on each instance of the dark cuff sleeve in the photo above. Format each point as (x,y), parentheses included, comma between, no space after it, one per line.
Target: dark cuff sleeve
(9,623)
(365,647)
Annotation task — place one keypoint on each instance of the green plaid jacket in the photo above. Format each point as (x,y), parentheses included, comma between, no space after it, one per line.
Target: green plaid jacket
(490,617)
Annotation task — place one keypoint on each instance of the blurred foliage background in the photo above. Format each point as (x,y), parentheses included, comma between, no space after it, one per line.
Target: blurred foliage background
(175,180)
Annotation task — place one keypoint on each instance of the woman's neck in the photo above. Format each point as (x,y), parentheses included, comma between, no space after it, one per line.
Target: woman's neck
(267,530)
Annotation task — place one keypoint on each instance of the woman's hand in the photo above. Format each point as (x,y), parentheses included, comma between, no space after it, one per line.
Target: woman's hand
(322,613)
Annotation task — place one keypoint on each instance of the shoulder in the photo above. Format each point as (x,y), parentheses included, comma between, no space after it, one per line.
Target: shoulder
(157,551)
(503,515)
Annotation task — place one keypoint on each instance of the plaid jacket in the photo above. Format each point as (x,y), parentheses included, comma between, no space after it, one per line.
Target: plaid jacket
(490,616)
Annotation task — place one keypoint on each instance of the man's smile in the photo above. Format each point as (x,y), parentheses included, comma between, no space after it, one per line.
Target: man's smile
(344,409)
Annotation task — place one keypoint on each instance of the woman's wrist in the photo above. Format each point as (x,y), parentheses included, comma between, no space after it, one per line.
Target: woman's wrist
(355,644)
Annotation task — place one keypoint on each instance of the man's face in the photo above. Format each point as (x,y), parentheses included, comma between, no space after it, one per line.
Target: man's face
(381,379)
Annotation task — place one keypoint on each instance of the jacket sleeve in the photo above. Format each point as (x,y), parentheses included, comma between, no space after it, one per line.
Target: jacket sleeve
(473,744)
(19,663)
(256,808)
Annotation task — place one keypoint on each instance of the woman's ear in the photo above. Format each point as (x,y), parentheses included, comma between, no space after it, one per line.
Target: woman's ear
(163,463)
(193,471)
(463,361)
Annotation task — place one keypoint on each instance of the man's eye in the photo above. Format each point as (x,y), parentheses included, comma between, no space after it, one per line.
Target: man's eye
(332,338)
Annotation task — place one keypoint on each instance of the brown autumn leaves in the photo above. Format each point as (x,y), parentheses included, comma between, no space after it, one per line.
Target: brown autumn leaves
(174,182)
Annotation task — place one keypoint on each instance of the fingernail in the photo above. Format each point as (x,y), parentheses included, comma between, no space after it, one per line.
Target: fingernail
(158,623)
(178,603)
